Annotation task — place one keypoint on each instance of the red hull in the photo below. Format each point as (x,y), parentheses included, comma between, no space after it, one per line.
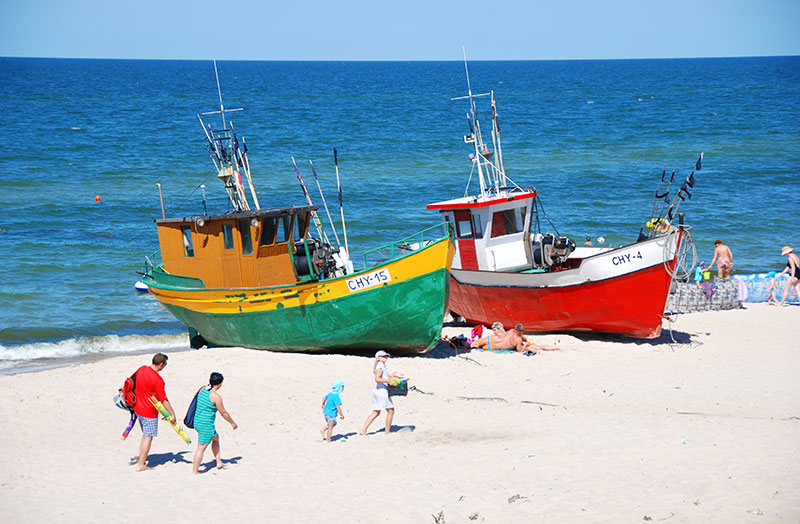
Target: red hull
(631,304)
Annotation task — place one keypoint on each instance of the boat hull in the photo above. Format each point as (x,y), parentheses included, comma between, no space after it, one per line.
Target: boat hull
(402,313)
(620,291)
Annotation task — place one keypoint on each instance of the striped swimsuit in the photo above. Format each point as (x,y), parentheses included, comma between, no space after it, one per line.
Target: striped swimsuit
(204,417)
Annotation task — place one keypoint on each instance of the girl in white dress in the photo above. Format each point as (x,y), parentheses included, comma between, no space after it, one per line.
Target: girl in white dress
(380,395)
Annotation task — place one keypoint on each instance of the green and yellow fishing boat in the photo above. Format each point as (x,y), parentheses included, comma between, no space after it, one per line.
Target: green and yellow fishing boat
(259,278)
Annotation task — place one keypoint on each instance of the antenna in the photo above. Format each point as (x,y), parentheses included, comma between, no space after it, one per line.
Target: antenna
(219,92)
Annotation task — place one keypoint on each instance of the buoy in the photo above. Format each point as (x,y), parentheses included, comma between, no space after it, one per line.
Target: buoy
(97,198)
(140,286)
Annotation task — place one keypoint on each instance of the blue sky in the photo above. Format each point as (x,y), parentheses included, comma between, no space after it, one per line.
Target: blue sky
(398,29)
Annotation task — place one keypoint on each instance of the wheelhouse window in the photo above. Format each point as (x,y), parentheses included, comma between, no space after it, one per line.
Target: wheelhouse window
(186,233)
(284,228)
(508,222)
(267,231)
(247,239)
(227,236)
(464,228)
(300,224)
(477,228)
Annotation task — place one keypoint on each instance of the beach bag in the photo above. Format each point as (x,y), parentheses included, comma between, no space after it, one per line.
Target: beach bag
(188,420)
(126,398)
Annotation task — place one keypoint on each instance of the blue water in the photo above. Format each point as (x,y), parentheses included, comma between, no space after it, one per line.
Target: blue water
(592,136)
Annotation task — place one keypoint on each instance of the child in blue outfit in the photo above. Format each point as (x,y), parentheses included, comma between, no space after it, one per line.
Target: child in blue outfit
(332,406)
(698,273)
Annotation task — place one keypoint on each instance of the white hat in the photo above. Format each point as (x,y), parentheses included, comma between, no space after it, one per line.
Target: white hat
(786,250)
(382,353)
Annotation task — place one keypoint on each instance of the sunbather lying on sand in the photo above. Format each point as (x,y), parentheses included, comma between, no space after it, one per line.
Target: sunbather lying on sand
(511,340)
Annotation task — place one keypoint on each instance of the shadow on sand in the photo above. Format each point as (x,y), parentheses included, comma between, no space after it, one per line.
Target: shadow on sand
(212,464)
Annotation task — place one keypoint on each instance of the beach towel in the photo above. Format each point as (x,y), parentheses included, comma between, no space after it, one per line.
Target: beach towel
(495,350)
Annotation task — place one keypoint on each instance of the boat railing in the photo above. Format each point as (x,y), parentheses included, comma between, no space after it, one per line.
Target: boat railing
(407,245)
(148,265)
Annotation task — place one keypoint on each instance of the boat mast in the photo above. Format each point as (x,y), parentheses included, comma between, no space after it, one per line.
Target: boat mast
(483,156)
(230,163)
(473,117)
(496,141)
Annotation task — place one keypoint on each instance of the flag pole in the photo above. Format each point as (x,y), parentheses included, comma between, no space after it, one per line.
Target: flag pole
(314,215)
(341,206)
(324,203)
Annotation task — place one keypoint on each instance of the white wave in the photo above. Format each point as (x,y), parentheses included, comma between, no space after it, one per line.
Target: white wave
(76,347)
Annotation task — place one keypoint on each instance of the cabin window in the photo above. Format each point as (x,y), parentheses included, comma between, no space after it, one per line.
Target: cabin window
(284,228)
(300,223)
(464,228)
(227,236)
(508,222)
(477,228)
(247,240)
(186,233)
(267,231)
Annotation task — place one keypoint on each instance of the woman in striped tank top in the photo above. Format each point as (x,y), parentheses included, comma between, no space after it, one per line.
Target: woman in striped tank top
(209,402)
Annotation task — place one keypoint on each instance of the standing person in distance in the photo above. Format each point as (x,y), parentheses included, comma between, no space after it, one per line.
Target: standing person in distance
(380,395)
(209,401)
(149,383)
(725,256)
(793,268)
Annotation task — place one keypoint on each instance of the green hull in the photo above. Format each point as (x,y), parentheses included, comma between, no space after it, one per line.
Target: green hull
(402,317)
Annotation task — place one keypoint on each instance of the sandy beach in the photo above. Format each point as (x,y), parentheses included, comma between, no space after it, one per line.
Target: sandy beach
(706,429)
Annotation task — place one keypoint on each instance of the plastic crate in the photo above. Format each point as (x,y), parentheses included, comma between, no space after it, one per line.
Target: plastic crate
(400,390)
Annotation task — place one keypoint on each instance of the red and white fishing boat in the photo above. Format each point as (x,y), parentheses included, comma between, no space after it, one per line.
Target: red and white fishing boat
(505,269)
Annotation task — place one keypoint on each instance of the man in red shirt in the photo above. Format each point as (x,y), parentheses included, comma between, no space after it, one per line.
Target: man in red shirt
(149,383)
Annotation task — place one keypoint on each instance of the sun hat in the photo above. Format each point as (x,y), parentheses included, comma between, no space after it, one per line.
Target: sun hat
(786,250)
(382,353)
(337,386)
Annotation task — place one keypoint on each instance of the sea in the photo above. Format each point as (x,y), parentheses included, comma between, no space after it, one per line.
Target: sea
(85,141)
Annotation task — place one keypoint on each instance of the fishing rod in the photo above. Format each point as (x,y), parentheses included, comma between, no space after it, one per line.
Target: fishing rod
(655,220)
(682,192)
(237,183)
(325,204)
(314,216)
(341,206)
(244,166)
(689,182)
(211,146)
(658,197)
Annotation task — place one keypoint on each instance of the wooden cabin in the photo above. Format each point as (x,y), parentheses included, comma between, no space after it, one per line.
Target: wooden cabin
(241,249)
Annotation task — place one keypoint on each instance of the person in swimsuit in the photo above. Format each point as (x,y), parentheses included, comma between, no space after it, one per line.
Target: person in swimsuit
(493,340)
(724,258)
(771,292)
(380,395)
(793,268)
(209,402)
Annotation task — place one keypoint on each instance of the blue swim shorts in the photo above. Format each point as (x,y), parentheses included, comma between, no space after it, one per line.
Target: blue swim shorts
(330,420)
(149,426)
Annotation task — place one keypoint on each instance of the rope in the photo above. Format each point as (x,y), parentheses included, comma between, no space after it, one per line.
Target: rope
(193,190)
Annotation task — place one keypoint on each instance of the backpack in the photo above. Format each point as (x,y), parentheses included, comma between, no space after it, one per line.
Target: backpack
(126,394)
(126,399)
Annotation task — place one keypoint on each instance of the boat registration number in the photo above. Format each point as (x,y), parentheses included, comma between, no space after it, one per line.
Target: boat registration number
(626,258)
(375,278)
